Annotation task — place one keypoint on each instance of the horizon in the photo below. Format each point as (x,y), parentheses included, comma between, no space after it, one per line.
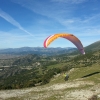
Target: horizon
(36,47)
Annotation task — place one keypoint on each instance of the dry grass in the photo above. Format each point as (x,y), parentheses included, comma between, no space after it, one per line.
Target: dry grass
(58,89)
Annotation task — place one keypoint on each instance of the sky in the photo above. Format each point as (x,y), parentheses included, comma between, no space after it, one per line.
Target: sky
(27,23)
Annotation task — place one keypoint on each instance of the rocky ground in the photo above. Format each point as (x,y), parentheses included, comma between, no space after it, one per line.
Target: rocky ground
(70,90)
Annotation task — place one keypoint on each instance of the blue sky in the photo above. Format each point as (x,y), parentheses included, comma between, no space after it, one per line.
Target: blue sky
(30,22)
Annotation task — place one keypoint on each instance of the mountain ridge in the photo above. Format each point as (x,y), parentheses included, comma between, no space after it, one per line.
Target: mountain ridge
(93,47)
(37,50)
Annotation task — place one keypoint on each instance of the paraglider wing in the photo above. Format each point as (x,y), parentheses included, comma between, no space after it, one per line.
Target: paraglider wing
(46,40)
(70,37)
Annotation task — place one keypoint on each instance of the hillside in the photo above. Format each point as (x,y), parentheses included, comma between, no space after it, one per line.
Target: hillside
(27,71)
(77,87)
(93,47)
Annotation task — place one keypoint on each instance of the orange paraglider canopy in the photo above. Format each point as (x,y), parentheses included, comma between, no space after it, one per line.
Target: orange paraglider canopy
(70,37)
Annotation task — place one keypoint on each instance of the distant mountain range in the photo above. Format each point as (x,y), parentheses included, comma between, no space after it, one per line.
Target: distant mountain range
(48,51)
(37,50)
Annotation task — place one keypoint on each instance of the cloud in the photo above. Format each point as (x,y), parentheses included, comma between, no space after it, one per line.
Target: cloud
(72,15)
(10,40)
(69,1)
(59,10)
(18,37)
(11,20)
(64,14)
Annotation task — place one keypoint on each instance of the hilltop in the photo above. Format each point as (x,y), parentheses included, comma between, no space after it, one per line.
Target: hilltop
(93,47)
